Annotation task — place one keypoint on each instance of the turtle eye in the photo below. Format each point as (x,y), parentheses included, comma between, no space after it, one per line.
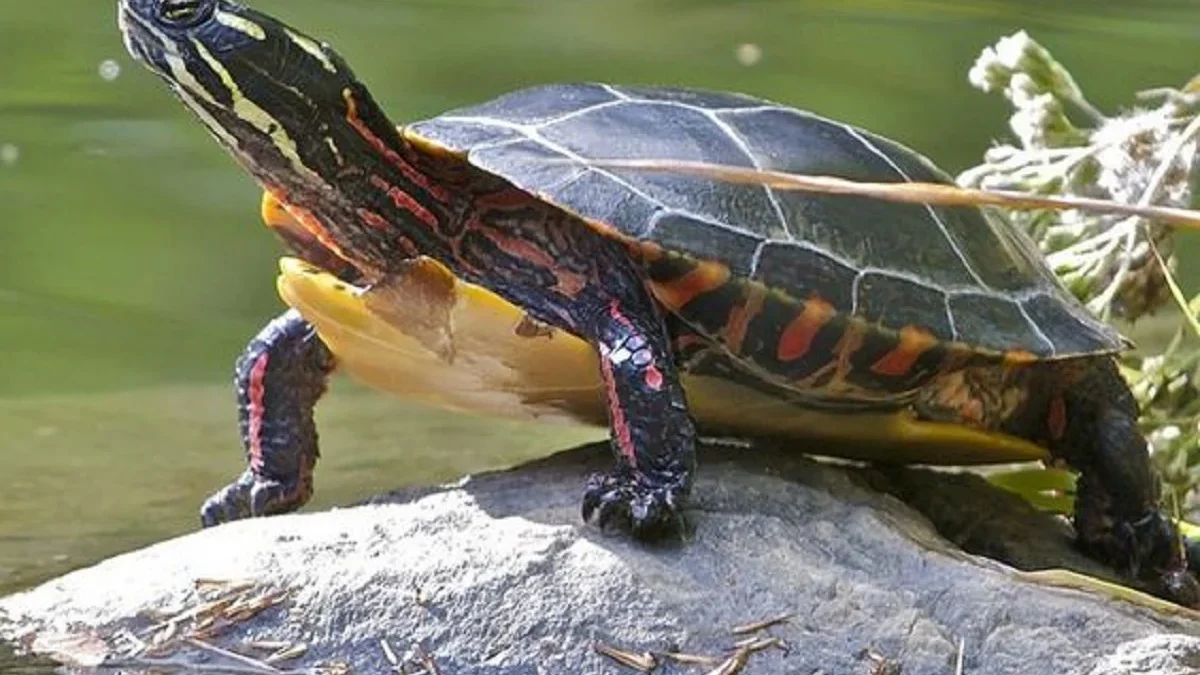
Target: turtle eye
(184,13)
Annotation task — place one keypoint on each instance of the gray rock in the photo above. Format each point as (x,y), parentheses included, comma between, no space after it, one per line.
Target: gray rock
(1157,655)
(497,575)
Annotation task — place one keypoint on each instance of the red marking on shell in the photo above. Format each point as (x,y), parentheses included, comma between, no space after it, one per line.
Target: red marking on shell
(797,337)
(616,415)
(257,410)
(1056,417)
(701,279)
(1020,357)
(390,154)
(405,201)
(654,377)
(913,342)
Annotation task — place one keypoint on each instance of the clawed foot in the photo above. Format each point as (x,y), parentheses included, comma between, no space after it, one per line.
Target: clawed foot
(1157,544)
(1151,549)
(251,496)
(648,506)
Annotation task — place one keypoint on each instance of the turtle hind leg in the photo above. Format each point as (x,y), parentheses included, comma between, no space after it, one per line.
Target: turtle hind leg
(279,378)
(1117,517)
(653,437)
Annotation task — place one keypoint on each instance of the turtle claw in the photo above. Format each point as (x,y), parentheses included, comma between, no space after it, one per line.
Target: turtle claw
(649,507)
(251,496)
(1150,549)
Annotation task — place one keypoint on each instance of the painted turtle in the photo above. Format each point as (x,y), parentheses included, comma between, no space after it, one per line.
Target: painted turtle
(846,307)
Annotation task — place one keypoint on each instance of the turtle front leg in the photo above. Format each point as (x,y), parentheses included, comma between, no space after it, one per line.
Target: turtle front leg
(1117,516)
(279,378)
(653,437)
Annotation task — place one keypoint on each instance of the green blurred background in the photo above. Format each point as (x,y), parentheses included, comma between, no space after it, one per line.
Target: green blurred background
(133,267)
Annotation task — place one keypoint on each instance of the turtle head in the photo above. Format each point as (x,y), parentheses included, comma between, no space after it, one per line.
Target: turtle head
(276,98)
(285,105)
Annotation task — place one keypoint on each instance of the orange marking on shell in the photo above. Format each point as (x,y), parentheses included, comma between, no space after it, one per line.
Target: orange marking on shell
(741,315)
(1020,357)
(797,337)
(914,341)
(703,278)
(649,251)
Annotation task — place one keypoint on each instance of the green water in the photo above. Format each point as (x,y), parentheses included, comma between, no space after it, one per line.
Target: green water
(133,267)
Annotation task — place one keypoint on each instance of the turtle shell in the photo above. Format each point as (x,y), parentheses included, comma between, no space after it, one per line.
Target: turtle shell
(964,274)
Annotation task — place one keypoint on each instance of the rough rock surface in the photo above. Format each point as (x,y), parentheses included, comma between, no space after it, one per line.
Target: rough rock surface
(497,575)
(1157,655)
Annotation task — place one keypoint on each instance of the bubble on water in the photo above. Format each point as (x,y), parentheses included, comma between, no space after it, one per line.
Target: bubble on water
(9,154)
(109,70)
(748,53)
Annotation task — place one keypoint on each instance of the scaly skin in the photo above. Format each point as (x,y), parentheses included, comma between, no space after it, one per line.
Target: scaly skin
(279,378)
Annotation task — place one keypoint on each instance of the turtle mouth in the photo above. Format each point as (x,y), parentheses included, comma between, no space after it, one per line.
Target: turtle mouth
(143,42)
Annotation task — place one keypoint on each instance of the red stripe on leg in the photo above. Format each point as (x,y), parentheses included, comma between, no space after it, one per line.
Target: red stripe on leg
(614,310)
(616,415)
(654,377)
(257,410)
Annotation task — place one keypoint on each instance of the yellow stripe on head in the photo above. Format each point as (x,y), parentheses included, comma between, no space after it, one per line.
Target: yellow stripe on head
(313,49)
(253,114)
(241,24)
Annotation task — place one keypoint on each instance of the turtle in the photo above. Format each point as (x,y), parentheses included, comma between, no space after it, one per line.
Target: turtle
(941,325)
